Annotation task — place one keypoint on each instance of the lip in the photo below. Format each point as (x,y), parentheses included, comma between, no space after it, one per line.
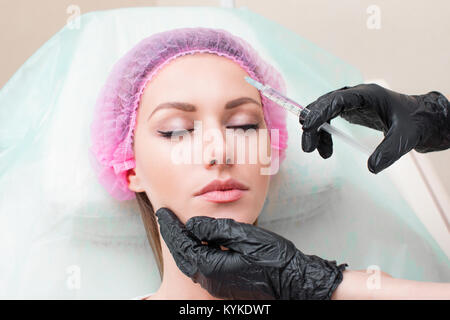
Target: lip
(221,191)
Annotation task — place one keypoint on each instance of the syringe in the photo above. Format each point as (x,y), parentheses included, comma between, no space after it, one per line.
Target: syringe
(297,109)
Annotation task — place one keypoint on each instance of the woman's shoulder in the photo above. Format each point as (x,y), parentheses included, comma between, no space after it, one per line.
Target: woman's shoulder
(143,297)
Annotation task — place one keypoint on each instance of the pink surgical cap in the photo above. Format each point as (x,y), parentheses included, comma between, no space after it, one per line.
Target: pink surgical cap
(114,117)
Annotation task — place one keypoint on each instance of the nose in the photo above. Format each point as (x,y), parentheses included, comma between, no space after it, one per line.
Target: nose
(214,161)
(217,152)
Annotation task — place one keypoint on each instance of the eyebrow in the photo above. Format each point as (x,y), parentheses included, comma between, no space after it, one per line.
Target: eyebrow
(184,106)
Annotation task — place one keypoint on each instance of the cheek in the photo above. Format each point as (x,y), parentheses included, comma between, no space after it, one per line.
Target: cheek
(158,175)
(263,167)
(260,186)
(256,175)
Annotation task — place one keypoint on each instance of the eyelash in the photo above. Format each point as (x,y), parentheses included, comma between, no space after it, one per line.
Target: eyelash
(168,134)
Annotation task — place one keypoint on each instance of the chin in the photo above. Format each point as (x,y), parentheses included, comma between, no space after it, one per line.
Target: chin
(239,211)
(243,217)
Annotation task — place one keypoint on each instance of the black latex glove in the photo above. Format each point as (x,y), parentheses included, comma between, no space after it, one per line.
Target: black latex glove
(419,122)
(258,265)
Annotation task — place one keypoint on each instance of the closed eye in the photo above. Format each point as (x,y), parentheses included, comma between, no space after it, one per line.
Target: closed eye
(169,134)
(246,127)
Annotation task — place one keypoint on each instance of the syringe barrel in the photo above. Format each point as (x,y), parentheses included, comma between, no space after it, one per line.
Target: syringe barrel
(289,104)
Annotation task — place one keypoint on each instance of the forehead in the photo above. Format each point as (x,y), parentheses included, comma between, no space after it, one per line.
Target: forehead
(202,76)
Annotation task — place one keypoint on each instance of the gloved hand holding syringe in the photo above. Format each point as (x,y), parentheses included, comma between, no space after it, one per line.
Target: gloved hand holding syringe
(298,110)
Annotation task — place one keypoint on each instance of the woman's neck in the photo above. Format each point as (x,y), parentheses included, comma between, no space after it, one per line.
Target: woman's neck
(176,285)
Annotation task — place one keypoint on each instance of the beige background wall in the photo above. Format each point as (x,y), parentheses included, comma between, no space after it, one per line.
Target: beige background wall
(410,50)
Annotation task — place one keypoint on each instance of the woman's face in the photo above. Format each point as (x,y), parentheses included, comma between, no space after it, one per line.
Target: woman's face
(207,82)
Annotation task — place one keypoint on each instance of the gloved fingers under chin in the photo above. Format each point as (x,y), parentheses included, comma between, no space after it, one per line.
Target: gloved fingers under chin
(213,262)
(218,231)
(204,260)
(184,264)
(226,232)
(166,217)
(168,227)
(175,235)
